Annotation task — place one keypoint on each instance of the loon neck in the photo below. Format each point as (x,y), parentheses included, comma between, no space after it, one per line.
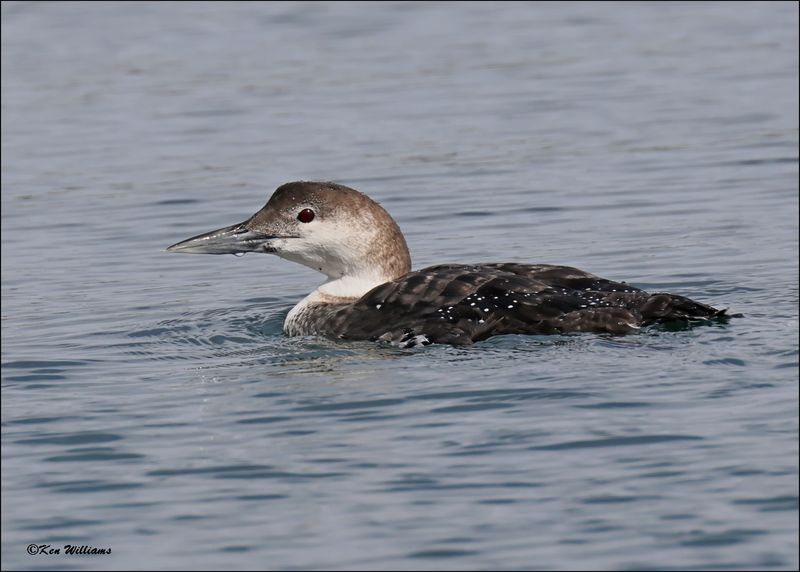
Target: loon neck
(351,287)
(344,290)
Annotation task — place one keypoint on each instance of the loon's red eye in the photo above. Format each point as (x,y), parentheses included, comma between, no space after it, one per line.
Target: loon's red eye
(305,215)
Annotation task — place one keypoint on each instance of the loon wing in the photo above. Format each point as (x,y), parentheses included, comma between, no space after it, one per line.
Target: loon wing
(462,304)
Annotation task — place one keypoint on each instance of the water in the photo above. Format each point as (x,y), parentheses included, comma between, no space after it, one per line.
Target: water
(152,406)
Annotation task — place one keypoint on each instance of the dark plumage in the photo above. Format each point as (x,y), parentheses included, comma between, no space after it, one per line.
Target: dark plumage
(460,304)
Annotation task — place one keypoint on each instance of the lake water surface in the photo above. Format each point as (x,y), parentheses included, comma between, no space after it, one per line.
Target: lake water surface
(151,405)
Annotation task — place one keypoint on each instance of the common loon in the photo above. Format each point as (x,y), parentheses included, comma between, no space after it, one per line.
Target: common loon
(372,294)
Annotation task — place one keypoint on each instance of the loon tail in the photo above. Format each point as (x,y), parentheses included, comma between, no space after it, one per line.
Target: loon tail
(667,307)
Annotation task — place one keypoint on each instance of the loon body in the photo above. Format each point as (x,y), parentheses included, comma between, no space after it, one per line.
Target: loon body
(372,294)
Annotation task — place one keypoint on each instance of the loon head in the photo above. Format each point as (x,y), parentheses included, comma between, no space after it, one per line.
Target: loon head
(328,227)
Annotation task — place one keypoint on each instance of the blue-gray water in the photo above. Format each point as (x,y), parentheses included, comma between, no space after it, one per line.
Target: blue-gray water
(151,405)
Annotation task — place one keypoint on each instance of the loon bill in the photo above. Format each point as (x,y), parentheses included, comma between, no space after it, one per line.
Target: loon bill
(372,294)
